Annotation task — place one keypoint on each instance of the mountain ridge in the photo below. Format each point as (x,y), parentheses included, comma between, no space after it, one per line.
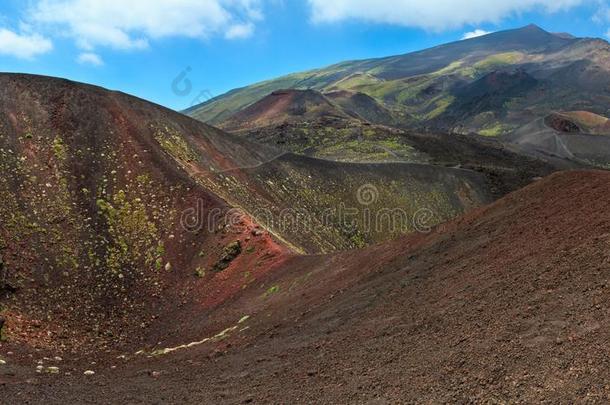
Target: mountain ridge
(420,88)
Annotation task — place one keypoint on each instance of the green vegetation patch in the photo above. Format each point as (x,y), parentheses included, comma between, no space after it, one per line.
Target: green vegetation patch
(133,233)
(60,149)
(271,290)
(500,59)
(495,129)
(174,144)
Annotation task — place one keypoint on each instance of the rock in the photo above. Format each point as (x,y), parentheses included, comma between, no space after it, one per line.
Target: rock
(168,266)
(89,372)
(230,252)
(2,362)
(53,370)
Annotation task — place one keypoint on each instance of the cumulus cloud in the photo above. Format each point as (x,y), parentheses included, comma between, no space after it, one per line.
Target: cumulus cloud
(475,33)
(126,25)
(24,46)
(429,14)
(90,58)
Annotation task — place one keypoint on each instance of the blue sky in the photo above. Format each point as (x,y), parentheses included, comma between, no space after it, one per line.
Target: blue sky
(141,47)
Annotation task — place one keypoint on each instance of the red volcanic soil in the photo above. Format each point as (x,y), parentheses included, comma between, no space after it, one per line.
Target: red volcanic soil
(509,303)
(282,106)
(561,123)
(65,147)
(579,122)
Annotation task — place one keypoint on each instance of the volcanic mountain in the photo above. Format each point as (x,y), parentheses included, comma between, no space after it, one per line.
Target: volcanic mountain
(305,106)
(147,256)
(285,106)
(91,241)
(120,217)
(336,126)
(491,85)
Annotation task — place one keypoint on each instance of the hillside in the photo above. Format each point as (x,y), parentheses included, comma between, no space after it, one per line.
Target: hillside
(338,126)
(578,136)
(284,106)
(120,217)
(491,84)
(505,304)
(91,239)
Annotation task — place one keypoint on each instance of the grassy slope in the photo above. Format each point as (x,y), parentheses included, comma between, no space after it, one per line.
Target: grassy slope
(419,87)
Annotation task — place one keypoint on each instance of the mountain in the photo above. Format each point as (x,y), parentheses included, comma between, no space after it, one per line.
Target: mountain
(115,209)
(285,106)
(147,256)
(336,125)
(92,240)
(365,107)
(120,217)
(492,84)
(292,106)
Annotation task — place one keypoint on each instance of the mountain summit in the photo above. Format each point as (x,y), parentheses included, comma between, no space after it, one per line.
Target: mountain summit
(435,88)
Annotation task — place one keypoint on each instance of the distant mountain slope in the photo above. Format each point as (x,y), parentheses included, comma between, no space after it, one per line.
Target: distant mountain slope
(433,88)
(335,125)
(285,106)
(362,105)
(292,106)
(579,136)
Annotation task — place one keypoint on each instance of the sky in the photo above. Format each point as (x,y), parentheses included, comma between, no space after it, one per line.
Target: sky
(181,52)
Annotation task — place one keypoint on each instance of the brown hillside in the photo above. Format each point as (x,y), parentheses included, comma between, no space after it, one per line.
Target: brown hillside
(90,221)
(284,106)
(506,304)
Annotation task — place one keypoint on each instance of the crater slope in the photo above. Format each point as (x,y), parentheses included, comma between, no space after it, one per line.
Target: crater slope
(507,303)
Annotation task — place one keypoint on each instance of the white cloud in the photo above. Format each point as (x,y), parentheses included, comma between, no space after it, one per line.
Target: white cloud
(476,33)
(121,24)
(602,14)
(90,58)
(240,31)
(430,14)
(24,46)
